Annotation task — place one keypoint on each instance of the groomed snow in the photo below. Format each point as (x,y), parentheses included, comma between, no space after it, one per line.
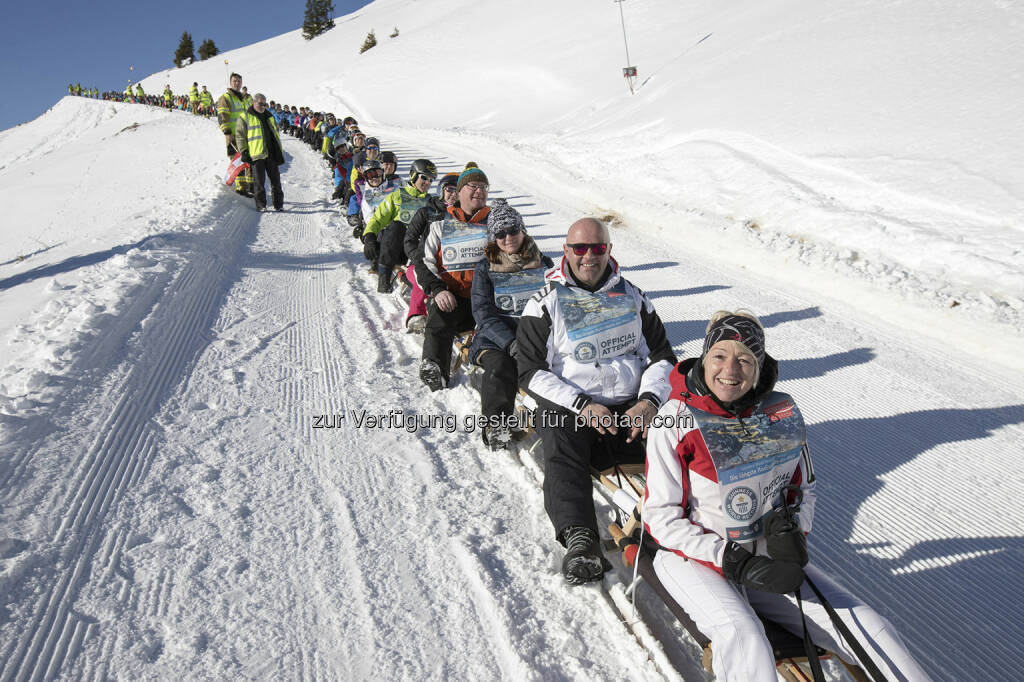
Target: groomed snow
(168,509)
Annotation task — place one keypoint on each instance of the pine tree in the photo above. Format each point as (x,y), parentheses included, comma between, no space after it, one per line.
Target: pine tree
(207,49)
(370,41)
(317,18)
(185,51)
(309,21)
(326,14)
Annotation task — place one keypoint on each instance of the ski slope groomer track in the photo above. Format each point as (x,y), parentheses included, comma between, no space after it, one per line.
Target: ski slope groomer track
(172,509)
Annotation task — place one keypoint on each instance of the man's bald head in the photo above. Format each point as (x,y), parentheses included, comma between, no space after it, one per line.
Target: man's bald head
(587,231)
(588,268)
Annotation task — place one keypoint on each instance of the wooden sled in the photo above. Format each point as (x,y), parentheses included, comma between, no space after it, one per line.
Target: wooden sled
(626,485)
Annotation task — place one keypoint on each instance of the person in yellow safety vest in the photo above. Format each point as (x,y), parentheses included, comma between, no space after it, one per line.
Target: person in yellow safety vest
(128,93)
(193,98)
(257,136)
(205,101)
(96,93)
(139,92)
(168,97)
(71,89)
(230,108)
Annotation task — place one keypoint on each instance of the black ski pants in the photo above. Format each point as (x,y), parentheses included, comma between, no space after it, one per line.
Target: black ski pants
(441,329)
(263,169)
(499,383)
(392,251)
(570,450)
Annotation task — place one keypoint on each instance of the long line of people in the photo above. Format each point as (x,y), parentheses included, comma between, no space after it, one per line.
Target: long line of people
(731,489)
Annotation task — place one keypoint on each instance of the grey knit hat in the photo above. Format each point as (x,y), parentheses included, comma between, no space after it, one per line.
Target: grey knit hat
(502,217)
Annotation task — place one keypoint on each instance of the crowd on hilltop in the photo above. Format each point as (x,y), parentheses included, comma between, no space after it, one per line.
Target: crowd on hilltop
(730,486)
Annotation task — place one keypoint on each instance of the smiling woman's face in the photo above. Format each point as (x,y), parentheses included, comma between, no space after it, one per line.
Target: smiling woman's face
(729,370)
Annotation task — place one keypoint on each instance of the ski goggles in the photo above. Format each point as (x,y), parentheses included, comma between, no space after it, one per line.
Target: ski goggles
(508,232)
(581,249)
(372,148)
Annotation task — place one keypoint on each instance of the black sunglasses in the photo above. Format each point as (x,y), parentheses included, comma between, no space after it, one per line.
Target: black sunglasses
(508,232)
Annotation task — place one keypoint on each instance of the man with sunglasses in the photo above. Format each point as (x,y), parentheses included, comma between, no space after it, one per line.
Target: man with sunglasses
(257,136)
(397,207)
(593,353)
(453,245)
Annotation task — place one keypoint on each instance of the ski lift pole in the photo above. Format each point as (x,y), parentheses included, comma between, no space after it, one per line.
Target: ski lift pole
(629,72)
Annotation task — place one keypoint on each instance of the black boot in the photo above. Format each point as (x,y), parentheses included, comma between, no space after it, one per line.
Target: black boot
(583,562)
(385,273)
(430,374)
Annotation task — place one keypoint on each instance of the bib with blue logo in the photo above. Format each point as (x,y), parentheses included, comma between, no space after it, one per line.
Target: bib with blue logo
(755,458)
(513,289)
(600,325)
(462,244)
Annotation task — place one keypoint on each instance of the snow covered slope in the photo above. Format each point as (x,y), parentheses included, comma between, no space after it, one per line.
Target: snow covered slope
(167,508)
(873,141)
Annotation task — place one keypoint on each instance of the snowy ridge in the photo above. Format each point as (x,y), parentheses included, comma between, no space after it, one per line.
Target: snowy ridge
(865,143)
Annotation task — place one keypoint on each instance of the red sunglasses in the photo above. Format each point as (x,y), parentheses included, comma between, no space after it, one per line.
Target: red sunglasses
(581,249)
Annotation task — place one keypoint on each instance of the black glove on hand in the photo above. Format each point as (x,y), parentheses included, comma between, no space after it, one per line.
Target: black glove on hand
(370,248)
(786,542)
(760,572)
(246,158)
(336,194)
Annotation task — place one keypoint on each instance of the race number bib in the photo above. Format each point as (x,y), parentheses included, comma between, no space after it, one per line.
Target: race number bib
(374,197)
(513,289)
(755,459)
(600,325)
(462,244)
(410,205)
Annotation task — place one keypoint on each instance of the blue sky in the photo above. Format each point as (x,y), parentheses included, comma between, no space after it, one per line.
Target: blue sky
(45,45)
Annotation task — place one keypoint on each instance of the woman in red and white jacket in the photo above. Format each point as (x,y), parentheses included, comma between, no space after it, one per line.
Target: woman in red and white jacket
(723,453)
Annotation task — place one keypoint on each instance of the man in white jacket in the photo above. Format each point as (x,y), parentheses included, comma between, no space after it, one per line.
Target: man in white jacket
(593,353)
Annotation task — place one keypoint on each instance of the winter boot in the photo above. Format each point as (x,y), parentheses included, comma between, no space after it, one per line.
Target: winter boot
(430,374)
(416,324)
(497,438)
(583,562)
(373,267)
(385,273)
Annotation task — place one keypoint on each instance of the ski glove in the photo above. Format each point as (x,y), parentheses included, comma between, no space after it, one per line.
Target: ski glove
(760,572)
(370,248)
(246,157)
(337,195)
(786,542)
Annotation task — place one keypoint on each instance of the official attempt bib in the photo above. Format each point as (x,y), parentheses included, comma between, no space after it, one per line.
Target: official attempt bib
(410,205)
(754,460)
(600,325)
(513,289)
(462,244)
(374,196)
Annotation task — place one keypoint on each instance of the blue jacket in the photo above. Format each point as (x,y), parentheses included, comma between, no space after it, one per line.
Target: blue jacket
(495,328)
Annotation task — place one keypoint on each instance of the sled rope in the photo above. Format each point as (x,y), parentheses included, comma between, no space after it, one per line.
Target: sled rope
(809,648)
(858,650)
